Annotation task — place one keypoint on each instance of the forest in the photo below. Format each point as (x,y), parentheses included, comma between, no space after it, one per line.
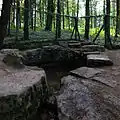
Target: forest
(53,19)
(59,59)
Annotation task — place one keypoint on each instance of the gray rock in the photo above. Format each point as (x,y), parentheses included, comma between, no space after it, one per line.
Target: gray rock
(12,57)
(21,94)
(92,48)
(98,60)
(22,89)
(87,97)
(86,72)
(49,54)
(74,45)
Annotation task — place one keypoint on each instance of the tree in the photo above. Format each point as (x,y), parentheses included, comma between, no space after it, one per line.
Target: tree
(118,18)
(107,25)
(87,20)
(58,20)
(4,20)
(26,18)
(50,11)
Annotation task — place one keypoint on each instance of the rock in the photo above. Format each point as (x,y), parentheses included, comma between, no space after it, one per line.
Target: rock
(92,48)
(20,94)
(85,97)
(86,43)
(22,91)
(88,53)
(12,57)
(74,45)
(86,72)
(49,54)
(98,60)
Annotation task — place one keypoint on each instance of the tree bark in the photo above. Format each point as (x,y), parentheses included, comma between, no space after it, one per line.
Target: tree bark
(118,18)
(4,20)
(107,26)
(26,18)
(50,11)
(87,20)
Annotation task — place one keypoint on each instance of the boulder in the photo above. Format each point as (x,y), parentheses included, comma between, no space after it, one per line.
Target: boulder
(84,95)
(49,54)
(98,60)
(22,89)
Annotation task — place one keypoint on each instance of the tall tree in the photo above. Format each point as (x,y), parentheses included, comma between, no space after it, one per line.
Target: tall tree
(35,15)
(107,25)
(87,20)
(31,14)
(50,11)
(4,20)
(118,18)
(26,18)
(58,20)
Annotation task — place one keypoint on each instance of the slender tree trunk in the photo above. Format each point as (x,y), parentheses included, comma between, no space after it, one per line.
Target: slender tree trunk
(58,20)
(31,14)
(17,18)
(63,17)
(68,18)
(77,8)
(107,25)
(113,12)
(8,32)
(13,20)
(40,14)
(87,20)
(4,20)
(35,15)
(26,18)
(118,18)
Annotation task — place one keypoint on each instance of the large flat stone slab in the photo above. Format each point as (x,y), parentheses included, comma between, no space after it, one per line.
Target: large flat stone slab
(98,60)
(86,72)
(89,94)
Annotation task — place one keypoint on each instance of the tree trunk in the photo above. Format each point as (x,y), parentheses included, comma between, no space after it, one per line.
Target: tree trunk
(35,15)
(4,20)
(50,11)
(107,25)
(31,14)
(118,18)
(17,18)
(63,17)
(8,31)
(68,18)
(26,18)
(87,20)
(58,20)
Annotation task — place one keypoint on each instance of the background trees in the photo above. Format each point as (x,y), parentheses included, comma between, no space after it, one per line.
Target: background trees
(57,15)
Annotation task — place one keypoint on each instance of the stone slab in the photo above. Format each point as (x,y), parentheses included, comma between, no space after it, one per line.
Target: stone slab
(92,48)
(94,98)
(86,72)
(98,60)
